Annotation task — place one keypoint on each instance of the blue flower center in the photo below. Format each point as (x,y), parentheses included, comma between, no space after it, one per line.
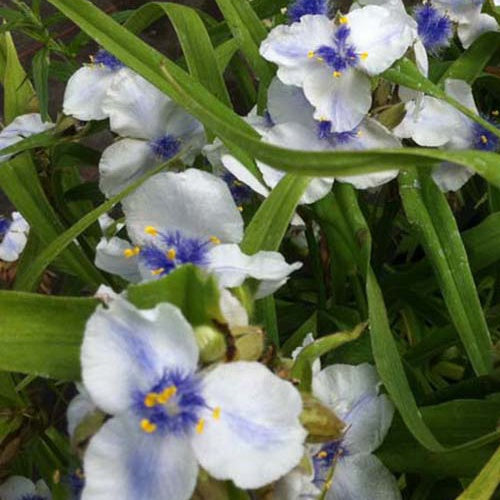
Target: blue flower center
(300,8)
(483,139)
(167,251)
(4,226)
(108,60)
(241,192)
(434,28)
(324,132)
(75,482)
(172,406)
(341,55)
(325,459)
(165,147)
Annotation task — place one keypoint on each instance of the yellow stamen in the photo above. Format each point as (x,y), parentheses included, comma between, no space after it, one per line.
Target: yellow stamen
(167,394)
(322,454)
(240,208)
(156,272)
(484,139)
(131,252)
(310,54)
(215,240)
(320,59)
(148,426)
(328,485)
(151,230)
(200,425)
(337,74)
(359,133)
(150,399)
(171,254)
(237,183)
(495,112)
(216,413)
(343,20)
(363,55)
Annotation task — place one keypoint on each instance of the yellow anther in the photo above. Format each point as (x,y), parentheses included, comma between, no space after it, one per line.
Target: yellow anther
(150,399)
(240,208)
(363,55)
(171,254)
(237,183)
(151,230)
(157,272)
(131,252)
(337,74)
(359,133)
(322,454)
(200,425)
(495,112)
(320,59)
(310,54)
(323,119)
(328,484)
(484,139)
(215,240)
(148,426)
(167,394)
(343,20)
(216,413)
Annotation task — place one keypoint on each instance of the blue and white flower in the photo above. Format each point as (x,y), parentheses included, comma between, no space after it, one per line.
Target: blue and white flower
(154,128)
(21,488)
(346,468)
(299,8)
(238,421)
(13,236)
(295,128)
(88,86)
(431,122)
(189,217)
(20,128)
(332,61)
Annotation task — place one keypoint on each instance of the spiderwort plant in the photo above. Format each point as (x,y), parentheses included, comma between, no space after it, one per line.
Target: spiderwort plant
(21,488)
(332,60)
(238,421)
(188,217)
(13,236)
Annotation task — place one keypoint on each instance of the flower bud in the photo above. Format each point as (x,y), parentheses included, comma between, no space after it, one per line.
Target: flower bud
(321,423)
(211,343)
(249,343)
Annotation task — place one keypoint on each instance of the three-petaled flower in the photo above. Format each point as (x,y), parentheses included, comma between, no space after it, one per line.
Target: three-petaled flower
(13,236)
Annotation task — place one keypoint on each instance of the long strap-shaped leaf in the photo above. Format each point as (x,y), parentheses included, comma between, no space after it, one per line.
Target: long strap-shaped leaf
(197,100)
(429,213)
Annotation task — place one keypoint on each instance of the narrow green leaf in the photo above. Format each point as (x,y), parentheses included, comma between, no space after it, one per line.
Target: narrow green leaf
(40,64)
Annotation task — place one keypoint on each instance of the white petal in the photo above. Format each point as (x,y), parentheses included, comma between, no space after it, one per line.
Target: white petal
(344,100)
(232,310)
(125,349)
(462,92)
(136,108)
(26,125)
(286,103)
(19,223)
(288,47)
(232,267)
(109,257)
(194,202)
(213,152)
(362,477)
(296,485)
(421,58)
(243,175)
(367,423)
(12,245)
(341,386)
(258,437)
(451,177)
(16,487)
(124,162)
(459,10)
(384,34)
(123,462)
(43,490)
(79,407)
(85,92)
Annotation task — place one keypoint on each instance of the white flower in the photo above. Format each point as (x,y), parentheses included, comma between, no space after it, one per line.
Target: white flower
(13,237)
(352,392)
(295,128)
(20,128)
(21,488)
(333,62)
(79,407)
(188,217)
(238,420)
(87,87)
(434,123)
(154,127)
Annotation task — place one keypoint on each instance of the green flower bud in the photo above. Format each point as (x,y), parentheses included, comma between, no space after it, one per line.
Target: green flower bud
(211,343)
(321,423)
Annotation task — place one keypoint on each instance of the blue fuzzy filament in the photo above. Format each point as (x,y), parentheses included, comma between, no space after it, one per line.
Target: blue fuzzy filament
(241,192)
(165,147)
(324,460)
(340,55)
(108,60)
(180,414)
(434,29)
(324,132)
(187,251)
(301,8)
(4,225)
(483,139)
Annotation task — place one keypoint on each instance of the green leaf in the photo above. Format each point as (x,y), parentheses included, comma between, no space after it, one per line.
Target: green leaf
(430,215)
(41,335)
(41,63)
(194,293)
